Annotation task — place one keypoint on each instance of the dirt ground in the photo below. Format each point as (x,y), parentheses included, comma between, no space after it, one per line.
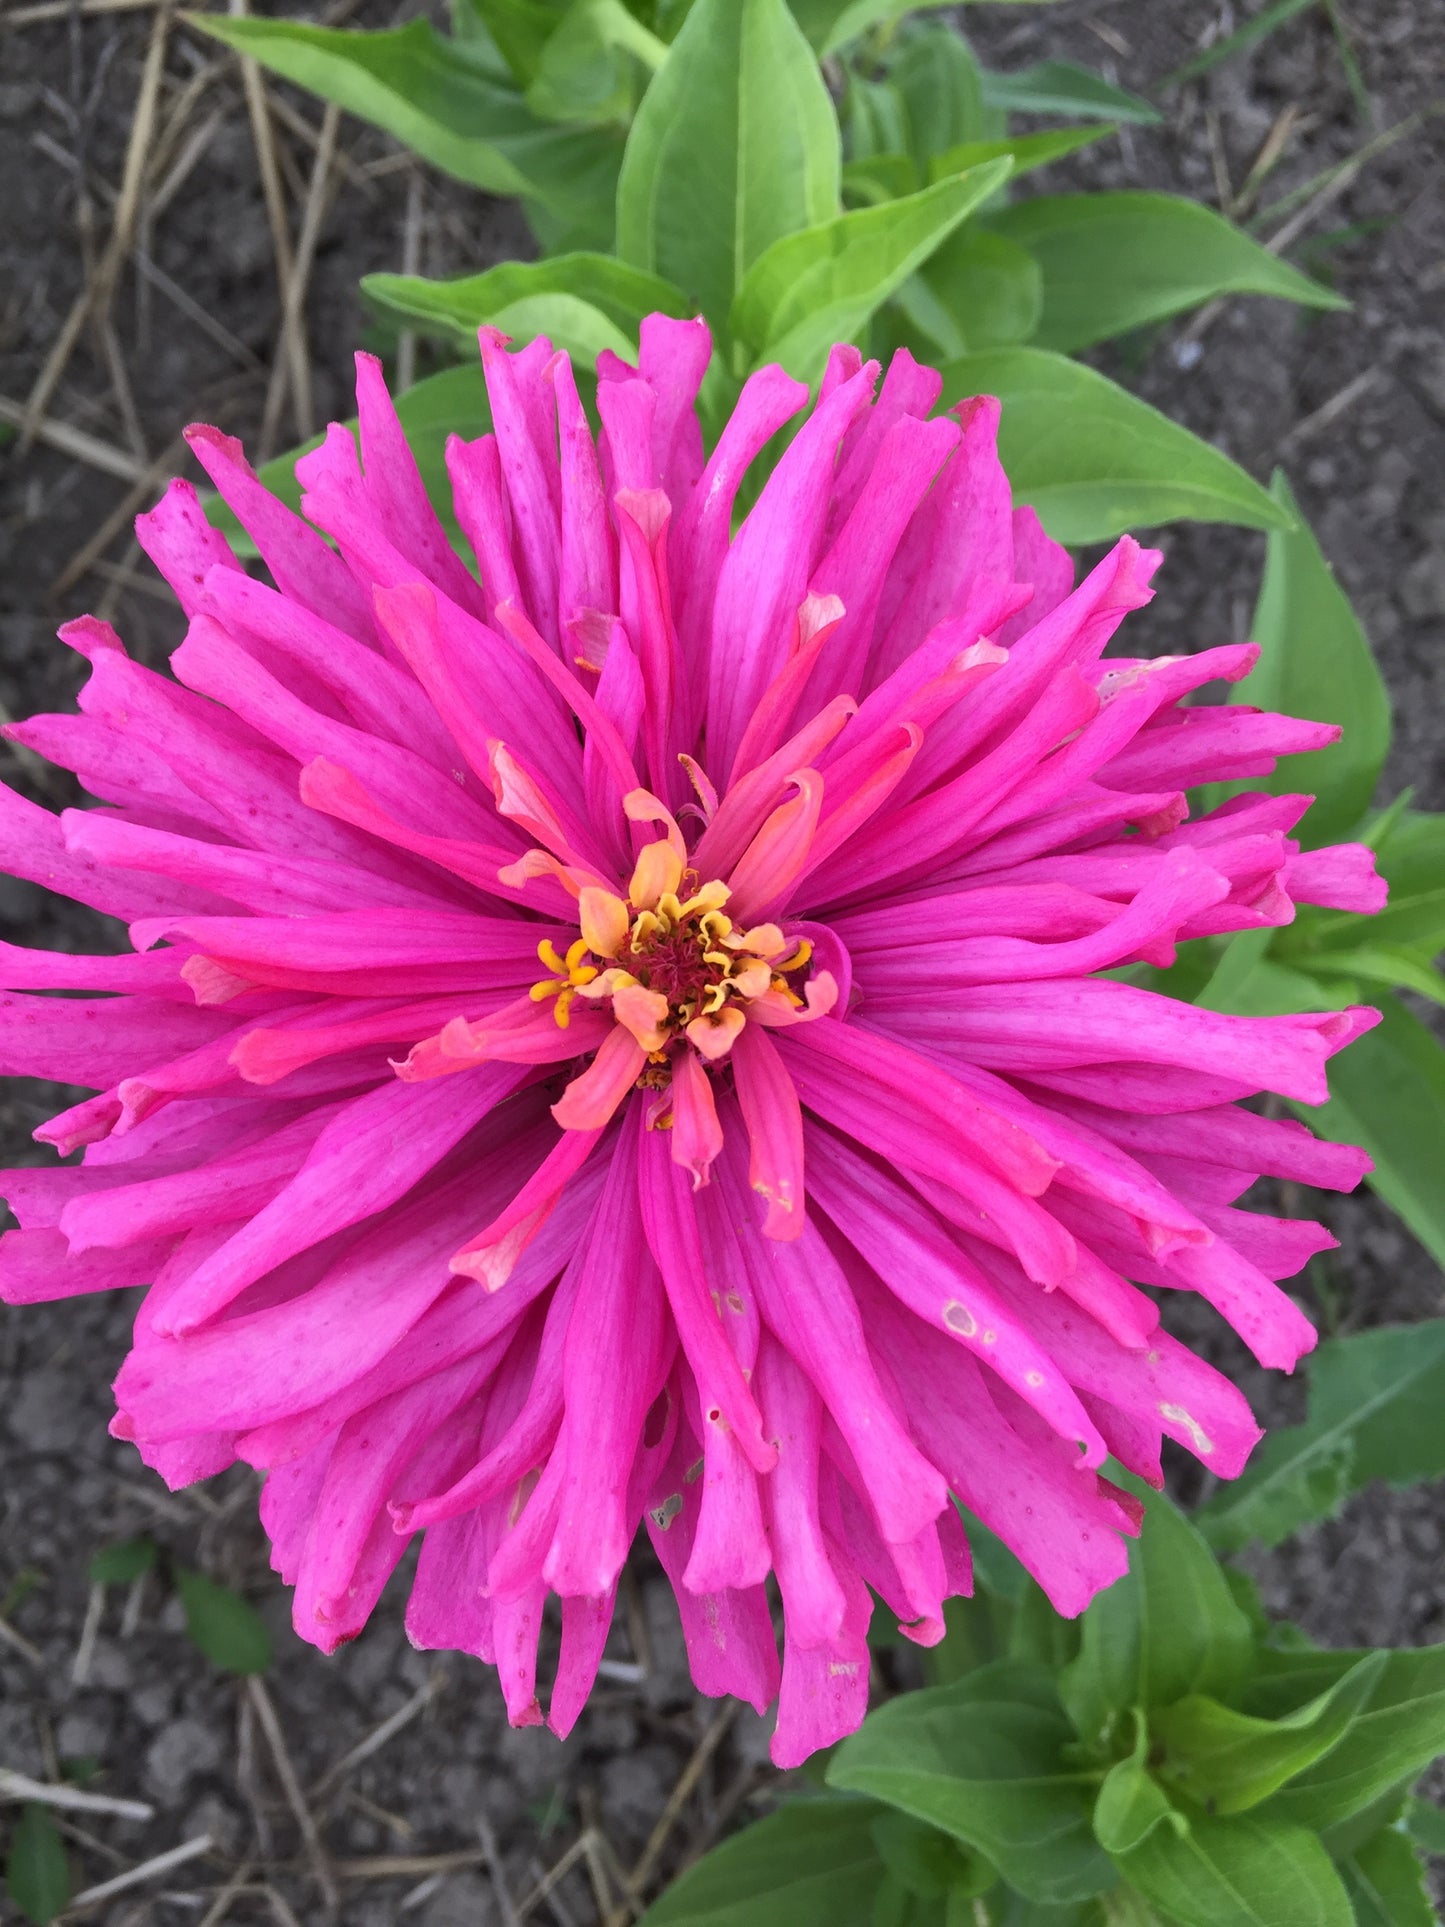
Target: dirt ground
(449,1809)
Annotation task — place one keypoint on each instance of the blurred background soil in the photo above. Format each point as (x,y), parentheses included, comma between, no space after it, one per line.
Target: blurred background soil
(449,1817)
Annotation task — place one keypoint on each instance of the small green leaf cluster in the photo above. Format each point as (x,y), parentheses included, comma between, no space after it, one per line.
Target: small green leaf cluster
(37,1872)
(224,1626)
(1168,1761)
(692,156)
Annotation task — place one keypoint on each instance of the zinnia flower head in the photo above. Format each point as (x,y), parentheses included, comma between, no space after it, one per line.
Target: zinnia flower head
(615,1031)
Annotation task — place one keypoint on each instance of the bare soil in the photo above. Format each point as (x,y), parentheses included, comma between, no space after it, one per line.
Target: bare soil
(1352,404)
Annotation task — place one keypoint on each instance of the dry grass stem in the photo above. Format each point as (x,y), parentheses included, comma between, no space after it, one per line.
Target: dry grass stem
(652,1853)
(377,1737)
(394,1866)
(497,1873)
(94,299)
(126,577)
(193,311)
(121,389)
(72,1799)
(192,152)
(8,1636)
(64,9)
(280,1906)
(1331,410)
(74,442)
(309,136)
(553,1878)
(263,135)
(293,309)
(119,577)
(89,1632)
(286,1773)
(137,1876)
(221,1905)
(80,564)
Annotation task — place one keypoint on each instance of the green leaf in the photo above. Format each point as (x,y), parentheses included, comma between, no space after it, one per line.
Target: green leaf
(926,1862)
(882,177)
(456,309)
(596,66)
(1378,963)
(938,78)
(1244,1872)
(1227,1761)
(1040,1633)
(427,93)
(1112,262)
(1376,1411)
(1315,662)
(1059,87)
(812,1864)
(125,1561)
(981,1759)
(1131,1802)
(1386,1883)
(1256,28)
(1411,852)
(1170,1627)
(228,1629)
(37,1875)
(453,402)
(830,24)
(1029,151)
(821,286)
(735,145)
(520,29)
(1387,1093)
(1095,461)
(978,292)
(1425,1824)
(525,300)
(1397,1733)
(1414,923)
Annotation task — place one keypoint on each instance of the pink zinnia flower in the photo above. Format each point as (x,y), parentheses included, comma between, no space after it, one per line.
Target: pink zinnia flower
(615,1033)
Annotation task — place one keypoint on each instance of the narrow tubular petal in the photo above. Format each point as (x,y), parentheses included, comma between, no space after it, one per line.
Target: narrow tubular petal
(672,1237)
(774,1121)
